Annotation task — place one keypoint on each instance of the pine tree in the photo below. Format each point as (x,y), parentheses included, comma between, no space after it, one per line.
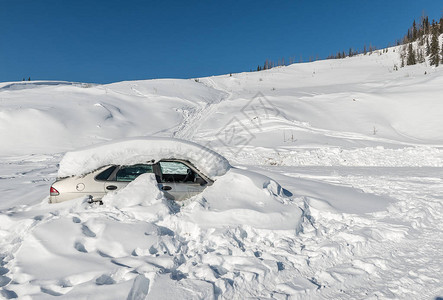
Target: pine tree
(426,25)
(434,48)
(411,56)
(414,31)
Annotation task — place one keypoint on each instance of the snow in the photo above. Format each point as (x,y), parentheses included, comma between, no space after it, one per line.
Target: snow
(141,150)
(246,198)
(335,189)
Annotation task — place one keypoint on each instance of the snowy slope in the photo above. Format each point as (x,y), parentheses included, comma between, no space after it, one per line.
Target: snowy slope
(356,145)
(48,118)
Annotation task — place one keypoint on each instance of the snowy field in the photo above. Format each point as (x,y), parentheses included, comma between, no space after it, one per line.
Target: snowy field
(335,190)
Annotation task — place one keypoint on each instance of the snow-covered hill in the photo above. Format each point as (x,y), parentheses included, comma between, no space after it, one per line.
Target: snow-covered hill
(356,143)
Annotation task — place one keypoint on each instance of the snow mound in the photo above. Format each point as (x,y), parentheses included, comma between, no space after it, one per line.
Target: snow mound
(142,192)
(242,197)
(139,150)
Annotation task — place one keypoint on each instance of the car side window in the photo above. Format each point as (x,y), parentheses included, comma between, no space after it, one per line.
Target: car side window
(174,171)
(129,173)
(103,176)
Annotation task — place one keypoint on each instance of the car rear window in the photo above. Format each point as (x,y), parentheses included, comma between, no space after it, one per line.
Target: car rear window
(105,174)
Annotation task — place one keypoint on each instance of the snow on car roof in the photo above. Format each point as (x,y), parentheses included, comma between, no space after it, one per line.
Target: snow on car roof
(139,150)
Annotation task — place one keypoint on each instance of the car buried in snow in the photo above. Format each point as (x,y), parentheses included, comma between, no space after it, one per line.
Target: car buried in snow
(182,168)
(178,179)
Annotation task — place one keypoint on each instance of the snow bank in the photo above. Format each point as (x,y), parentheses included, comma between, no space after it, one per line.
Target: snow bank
(142,192)
(239,198)
(139,244)
(242,197)
(336,156)
(139,150)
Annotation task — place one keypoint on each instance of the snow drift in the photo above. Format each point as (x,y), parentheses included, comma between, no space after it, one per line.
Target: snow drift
(140,150)
(138,232)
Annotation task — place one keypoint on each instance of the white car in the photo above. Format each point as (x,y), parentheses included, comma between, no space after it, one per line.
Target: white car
(182,168)
(178,179)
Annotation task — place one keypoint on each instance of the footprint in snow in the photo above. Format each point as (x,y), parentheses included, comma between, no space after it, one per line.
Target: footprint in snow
(4,280)
(76,220)
(104,280)
(88,232)
(79,246)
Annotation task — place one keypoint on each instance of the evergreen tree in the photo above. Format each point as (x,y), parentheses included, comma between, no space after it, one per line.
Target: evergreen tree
(414,31)
(434,48)
(426,25)
(411,60)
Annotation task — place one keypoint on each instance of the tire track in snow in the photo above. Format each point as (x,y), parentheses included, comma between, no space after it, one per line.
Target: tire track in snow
(195,117)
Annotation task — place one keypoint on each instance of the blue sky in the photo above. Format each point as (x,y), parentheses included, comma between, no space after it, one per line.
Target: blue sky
(113,40)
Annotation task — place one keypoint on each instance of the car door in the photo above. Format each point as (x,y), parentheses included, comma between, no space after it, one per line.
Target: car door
(179,180)
(123,175)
